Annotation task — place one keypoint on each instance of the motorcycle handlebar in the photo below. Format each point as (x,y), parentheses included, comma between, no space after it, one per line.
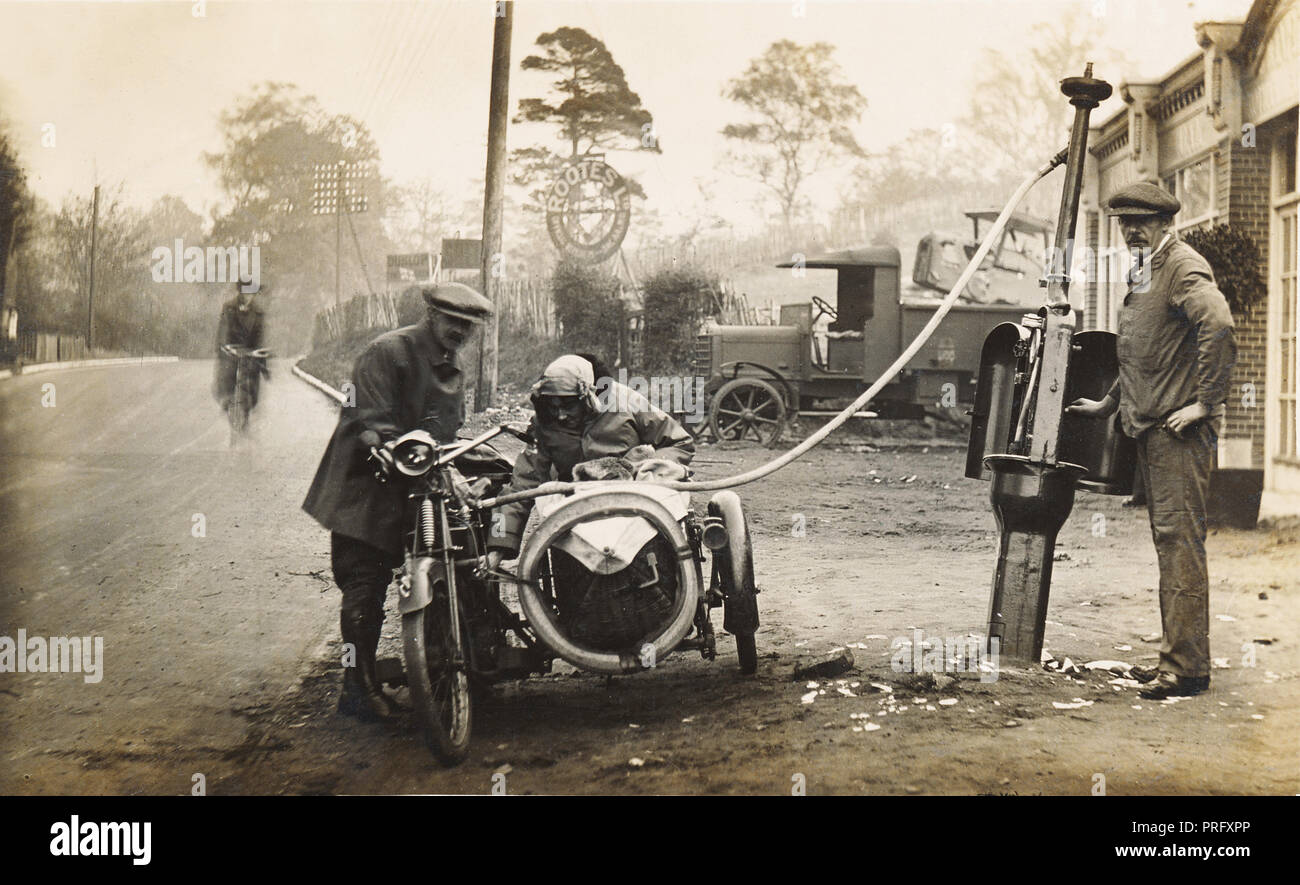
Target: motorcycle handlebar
(382,459)
(236,350)
(381,454)
(521,435)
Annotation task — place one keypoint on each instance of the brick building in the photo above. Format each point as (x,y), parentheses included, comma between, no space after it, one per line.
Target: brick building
(1219,132)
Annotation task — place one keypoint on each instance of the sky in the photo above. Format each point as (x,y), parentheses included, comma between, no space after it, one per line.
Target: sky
(133,90)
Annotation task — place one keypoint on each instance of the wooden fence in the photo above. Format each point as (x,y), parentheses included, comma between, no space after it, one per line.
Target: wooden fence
(526,304)
(521,304)
(379,311)
(47,347)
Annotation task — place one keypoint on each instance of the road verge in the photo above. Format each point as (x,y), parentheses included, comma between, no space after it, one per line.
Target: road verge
(315,382)
(87,364)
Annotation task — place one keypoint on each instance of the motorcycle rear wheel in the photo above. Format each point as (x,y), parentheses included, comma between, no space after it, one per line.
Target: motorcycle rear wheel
(440,692)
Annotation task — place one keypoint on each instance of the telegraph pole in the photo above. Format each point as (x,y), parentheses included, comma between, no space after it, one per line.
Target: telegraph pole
(90,301)
(493,200)
(338,188)
(338,248)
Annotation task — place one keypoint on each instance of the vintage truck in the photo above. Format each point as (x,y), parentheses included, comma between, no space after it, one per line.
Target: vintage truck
(758,376)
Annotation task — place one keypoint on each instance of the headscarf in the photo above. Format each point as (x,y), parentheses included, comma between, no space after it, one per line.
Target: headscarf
(569,375)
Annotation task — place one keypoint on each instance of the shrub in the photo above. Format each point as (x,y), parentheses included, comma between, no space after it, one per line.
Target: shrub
(676,300)
(588,307)
(1235,260)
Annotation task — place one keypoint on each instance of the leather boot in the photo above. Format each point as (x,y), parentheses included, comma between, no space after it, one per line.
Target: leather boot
(369,669)
(362,695)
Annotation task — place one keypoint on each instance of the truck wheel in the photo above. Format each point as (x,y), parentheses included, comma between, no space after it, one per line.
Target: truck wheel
(748,408)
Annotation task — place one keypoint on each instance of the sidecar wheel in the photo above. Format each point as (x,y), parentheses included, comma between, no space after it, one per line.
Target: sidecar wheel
(733,568)
(440,692)
(541,614)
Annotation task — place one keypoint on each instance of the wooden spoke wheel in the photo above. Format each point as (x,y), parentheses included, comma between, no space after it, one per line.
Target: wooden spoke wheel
(748,408)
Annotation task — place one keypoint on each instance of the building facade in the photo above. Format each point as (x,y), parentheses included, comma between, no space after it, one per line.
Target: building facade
(1219,132)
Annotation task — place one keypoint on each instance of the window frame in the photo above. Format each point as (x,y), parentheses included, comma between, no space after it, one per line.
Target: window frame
(1285,403)
(1178,175)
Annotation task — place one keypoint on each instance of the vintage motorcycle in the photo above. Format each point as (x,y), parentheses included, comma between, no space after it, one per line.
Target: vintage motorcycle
(250,365)
(610,579)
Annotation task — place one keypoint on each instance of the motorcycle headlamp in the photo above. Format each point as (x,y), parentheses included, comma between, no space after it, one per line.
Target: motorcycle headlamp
(414,457)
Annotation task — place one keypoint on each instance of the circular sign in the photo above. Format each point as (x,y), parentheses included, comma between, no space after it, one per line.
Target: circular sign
(588,210)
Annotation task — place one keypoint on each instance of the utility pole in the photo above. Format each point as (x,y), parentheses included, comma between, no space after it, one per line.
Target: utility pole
(493,201)
(338,248)
(90,302)
(338,188)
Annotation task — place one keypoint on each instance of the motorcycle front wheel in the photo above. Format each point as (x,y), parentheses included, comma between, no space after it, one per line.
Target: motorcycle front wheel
(439,690)
(238,411)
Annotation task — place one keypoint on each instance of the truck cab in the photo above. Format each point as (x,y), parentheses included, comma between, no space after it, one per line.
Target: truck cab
(865,276)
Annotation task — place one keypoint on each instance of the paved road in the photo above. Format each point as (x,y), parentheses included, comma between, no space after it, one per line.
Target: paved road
(125,514)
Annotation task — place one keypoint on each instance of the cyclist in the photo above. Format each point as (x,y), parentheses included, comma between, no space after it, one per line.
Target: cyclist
(242,325)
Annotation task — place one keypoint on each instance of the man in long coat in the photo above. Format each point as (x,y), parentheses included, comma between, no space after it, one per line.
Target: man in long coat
(405,380)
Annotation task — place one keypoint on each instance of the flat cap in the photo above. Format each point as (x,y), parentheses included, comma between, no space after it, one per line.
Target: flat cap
(458,300)
(1143,198)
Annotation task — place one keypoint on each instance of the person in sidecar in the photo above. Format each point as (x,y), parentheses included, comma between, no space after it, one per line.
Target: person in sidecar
(585,431)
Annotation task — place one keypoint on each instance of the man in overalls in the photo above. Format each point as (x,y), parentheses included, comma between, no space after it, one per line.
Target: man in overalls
(1176,353)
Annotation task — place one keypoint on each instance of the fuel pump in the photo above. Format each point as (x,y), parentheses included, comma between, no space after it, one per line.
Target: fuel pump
(1033,454)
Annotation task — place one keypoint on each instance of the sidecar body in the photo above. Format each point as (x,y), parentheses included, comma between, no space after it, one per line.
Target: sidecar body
(612,575)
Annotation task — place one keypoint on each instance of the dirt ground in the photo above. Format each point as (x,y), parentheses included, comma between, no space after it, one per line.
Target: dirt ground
(222,650)
(893,541)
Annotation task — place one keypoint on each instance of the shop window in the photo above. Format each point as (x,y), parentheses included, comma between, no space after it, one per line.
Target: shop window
(1286,148)
(1284,288)
(1116,266)
(1193,185)
(1287,426)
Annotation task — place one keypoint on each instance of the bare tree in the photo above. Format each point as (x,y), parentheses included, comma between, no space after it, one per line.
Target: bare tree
(121,271)
(16,206)
(424,215)
(1018,118)
(801,111)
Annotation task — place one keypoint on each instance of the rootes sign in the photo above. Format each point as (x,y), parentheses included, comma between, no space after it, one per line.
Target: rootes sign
(588,211)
